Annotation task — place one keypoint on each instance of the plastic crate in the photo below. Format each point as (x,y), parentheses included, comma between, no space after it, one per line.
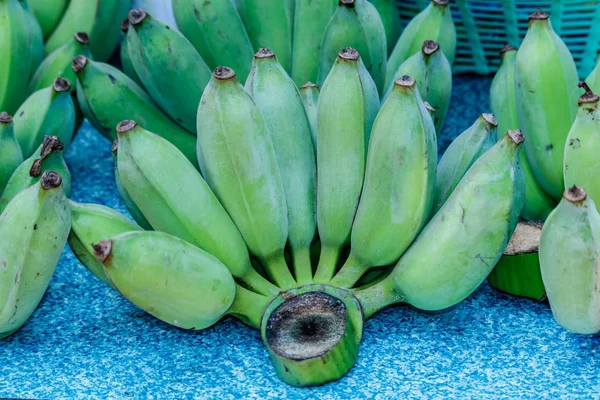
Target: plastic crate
(484,27)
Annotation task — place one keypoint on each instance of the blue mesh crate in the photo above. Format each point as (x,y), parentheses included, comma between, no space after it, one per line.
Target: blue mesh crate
(484,27)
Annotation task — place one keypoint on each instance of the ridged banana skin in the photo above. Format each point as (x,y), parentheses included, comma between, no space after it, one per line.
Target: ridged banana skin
(593,79)
(270,24)
(570,265)
(341,158)
(399,184)
(172,71)
(310,98)
(48,13)
(11,155)
(107,96)
(16,64)
(279,101)
(37,38)
(546,80)
(34,229)
(310,21)
(538,205)
(390,17)
(91,223)
(174,280)
(433,23)
(238,161)
(375,31)
(372,102)
(218,33)
(464,151)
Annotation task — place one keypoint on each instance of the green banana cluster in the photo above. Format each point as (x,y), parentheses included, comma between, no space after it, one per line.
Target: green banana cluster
(11,155)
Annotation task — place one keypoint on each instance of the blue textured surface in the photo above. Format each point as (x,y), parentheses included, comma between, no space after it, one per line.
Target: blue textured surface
(87,341)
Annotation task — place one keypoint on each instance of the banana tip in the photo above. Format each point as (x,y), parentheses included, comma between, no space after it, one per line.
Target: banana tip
(516,136)
(308,85)
(126,126)
(115,146)
(223,73)
(264,53)
(79,63)
(507,48)
(82,37)
(575,194)
(441,2)
(61,85)
(589,96)
(490,119)
(347,3)
(125,25)
(430,47)
(102,250)
(429,108)
(539,15)
(405,82)
(5,117)
(51,180)
(349,54)
(137,16)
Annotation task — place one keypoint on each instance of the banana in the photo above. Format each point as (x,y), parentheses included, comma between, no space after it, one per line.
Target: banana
(357,24)
(462,153)
(270,24)
(391,20)
(169,66)
(400,176)
(546,81)
(16,64)
(372,102)
(538,205)
(433,23)
(161,9)
(37,38)
(126,62)
(238,161)
(100,19)
(48,157)
(90,224)
(33,231)
(460,246)
(341,157)
(174,280)
(310,20)
(217,32)
(11,155)
(47,112)
(174,198)
(48,13)
(570,264)
(107,96)
(310,98)
(278,98)
(593,80)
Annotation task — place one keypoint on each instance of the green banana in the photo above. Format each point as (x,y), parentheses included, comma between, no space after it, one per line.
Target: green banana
(400,176)
(107,96)
(341,157)
(217,32)
(37,38)
(90,224)
(47,112)
(175,281)
(126,62)
(169,66)
(48,13)
(33,231)
(372,102)
(174,198)
(278,98)
(355,23)
(593,79)
(238,160)
(270,24)
(11,155)
(391,20)
(570,264)
(100,19)
(538,205)
(48,157)
(463,242)
(462,153)
(546,81)
(310,98)
(310,20)
(433,23)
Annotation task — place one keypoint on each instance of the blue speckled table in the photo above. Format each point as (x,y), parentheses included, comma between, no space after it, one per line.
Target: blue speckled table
(86,341)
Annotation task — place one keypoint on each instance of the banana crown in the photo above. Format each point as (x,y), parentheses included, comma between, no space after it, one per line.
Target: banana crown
(51,145)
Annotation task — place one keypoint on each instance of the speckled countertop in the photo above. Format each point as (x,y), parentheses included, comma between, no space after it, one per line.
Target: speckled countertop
(86,341)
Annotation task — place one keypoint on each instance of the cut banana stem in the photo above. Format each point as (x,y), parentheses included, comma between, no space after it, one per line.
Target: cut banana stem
(48,13)
(238,160)
(126,63)
(310,97)
(570,264)
(456,251)
(400,176)
(248,306)
(593,80)
(11,155)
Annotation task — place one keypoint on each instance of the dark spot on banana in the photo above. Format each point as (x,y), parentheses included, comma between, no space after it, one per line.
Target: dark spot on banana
(549,147)
(21,113)
(35,227)
(113,80)
(575,143)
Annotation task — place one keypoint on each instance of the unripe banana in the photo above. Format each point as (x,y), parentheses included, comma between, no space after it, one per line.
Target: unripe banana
(357,24)
(372,102)
(48,13)
(47,112)
(270,24)
(238,161)
(169,66)
(107,96)
(175,281)
(174,198)
(310,20)
(160,9)
(433,23)
(11,155)
(126,62)
(593,80)
(48,157)
(390,17)
(217,32)
(37,38)
(90,224)
(570,264)
(33,231)
(341,156)
(546,82)
(310,97)
(463,242)
(462,153)
(400,176)
(277,97)
(538,205)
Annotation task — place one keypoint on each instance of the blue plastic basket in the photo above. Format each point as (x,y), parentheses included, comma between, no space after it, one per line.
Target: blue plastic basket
(484,27)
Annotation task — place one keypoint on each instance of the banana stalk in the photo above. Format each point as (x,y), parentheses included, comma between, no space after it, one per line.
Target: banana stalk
(11,155)
(48,13)
(310,98)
